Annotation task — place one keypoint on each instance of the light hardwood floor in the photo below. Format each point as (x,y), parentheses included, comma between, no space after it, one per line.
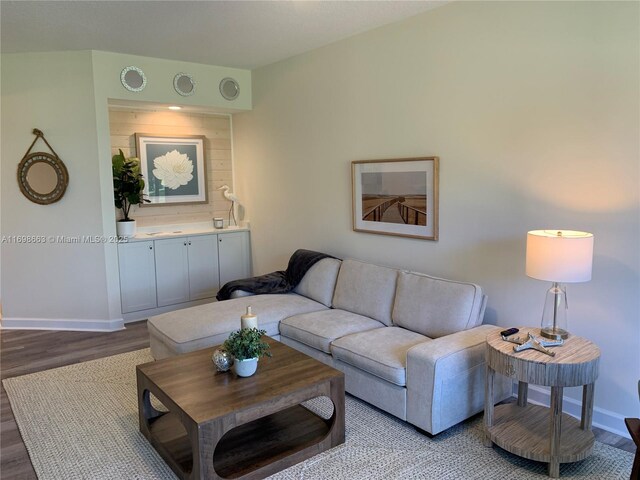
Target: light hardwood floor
(28,351)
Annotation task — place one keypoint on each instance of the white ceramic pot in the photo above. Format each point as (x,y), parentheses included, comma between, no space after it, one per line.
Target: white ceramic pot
(245,368)
(126,229)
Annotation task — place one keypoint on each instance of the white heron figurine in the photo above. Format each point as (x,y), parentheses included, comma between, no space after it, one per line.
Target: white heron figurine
(233,199)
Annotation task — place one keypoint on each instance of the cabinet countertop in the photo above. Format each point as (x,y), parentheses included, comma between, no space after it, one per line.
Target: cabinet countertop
(182,232)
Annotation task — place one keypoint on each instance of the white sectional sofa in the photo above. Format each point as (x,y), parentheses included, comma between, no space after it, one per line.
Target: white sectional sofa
(410,344)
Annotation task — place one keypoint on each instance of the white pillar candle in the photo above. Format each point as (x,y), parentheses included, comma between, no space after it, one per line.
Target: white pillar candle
(249,320)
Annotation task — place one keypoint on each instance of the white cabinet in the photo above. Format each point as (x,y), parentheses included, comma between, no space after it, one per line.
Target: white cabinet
(203,266)
(172,271)
(160,273)
(137,276)
(187,269)
(234,255)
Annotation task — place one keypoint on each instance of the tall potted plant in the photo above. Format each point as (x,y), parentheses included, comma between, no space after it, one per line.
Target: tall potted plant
(128,185)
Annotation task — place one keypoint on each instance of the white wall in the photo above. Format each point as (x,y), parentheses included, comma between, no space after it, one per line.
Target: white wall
(51,280)
(533,109)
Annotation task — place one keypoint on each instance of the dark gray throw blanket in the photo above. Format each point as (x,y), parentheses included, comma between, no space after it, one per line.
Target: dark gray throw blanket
(282,281)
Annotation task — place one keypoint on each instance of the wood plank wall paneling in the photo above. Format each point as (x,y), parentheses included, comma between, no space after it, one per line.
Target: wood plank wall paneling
(124,124)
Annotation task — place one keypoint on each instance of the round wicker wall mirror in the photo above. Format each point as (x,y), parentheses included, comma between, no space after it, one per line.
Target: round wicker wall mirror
(42,177)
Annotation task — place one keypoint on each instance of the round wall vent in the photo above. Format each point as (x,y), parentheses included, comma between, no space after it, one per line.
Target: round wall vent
(184,84)
(229,88)
(133,79)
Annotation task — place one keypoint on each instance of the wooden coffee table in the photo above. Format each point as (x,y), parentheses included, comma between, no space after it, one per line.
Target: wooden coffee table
(222,426)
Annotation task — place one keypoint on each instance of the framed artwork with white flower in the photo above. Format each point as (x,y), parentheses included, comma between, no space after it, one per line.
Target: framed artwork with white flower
(173,167)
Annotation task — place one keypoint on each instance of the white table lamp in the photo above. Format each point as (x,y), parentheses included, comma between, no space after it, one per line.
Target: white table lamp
(558,256)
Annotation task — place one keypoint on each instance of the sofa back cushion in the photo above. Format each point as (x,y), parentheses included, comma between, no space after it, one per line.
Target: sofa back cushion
(319,282)
(366,289)
(436,307)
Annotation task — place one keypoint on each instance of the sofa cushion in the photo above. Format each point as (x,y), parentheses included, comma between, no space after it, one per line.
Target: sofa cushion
(319,329)
(206,325)
(381,352)
(435,307)
(366,289)
(320,281)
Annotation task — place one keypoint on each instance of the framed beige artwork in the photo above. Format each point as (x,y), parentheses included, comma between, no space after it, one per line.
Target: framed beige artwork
(396,197)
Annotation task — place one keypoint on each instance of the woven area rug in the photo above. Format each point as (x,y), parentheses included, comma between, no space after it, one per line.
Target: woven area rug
(81,422)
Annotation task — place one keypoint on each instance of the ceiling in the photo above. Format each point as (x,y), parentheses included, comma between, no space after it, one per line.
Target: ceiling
(241,34)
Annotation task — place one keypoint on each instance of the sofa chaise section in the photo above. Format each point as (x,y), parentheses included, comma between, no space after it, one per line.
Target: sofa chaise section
(210,324)
(206,325)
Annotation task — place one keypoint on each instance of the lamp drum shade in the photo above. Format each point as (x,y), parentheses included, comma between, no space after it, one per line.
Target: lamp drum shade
(563,256)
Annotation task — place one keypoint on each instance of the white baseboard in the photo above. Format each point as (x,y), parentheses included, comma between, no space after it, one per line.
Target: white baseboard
(80,325)
(604,419)
(152,312)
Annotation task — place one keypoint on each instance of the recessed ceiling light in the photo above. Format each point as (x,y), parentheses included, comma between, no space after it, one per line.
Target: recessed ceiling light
(175,107)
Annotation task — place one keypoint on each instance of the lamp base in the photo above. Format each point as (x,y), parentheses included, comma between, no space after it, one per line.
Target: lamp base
(554,333)
(554,315)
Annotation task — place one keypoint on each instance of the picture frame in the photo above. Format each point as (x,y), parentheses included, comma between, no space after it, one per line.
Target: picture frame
(174,168)
(396,197)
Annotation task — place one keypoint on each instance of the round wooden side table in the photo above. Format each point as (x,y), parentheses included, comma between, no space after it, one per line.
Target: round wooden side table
(532,431)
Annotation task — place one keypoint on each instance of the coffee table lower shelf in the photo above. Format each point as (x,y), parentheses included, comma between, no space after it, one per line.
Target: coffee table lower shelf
(524,431)
(245,448)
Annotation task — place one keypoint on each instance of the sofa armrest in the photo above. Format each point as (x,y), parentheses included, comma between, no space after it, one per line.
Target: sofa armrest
(445,379)
(440,349)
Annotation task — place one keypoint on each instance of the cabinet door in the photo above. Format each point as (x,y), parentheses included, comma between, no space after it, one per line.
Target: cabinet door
(203,266)
(137,276)
(172,271)
(234,256)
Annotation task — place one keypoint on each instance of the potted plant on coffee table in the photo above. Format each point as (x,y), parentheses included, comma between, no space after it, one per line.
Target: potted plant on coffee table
(128,185)
(246,346)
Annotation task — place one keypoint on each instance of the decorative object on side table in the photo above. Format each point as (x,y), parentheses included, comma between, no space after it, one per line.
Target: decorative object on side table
(218,223)
(558,256)
(128,185)
(520,428)
(533,342)
(246,346)
(222,359)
